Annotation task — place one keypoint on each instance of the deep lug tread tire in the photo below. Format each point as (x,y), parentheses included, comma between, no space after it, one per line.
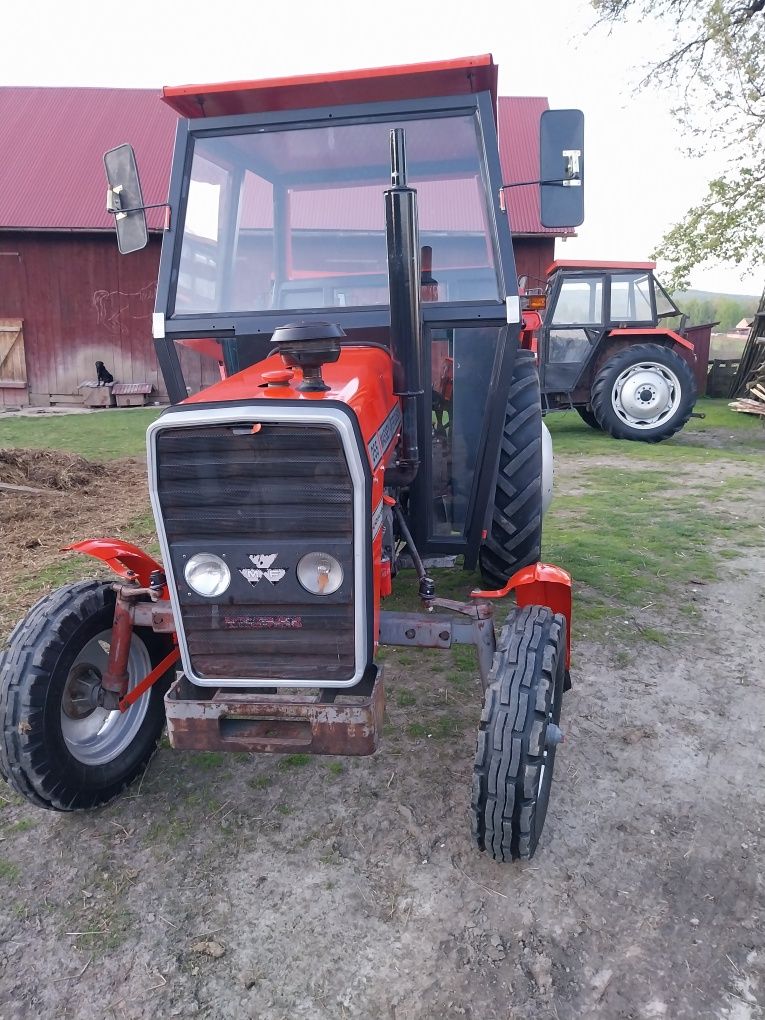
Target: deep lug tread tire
(34,666)
(525,690)
(515,536)
(600,397)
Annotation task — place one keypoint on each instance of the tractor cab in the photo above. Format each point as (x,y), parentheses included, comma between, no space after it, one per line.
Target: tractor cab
(594,311)
(278,216)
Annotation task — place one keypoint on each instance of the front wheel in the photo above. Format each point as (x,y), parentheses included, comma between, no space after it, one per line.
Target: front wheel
(57,747)
(518,734)
(644,393)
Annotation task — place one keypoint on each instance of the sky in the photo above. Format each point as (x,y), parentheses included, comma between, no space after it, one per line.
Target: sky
(639,176)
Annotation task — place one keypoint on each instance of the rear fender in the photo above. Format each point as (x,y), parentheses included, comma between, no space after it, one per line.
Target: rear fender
(124,559)
(666,337)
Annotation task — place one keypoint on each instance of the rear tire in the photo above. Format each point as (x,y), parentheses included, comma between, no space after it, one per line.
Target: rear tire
(644,393)
(588,417)
(514,761)
(53,751)
(515,537)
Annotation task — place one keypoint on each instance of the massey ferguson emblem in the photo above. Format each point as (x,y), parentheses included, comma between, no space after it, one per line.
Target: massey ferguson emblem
(263,568)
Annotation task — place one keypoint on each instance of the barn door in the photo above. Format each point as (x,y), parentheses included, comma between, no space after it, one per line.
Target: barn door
(13,364)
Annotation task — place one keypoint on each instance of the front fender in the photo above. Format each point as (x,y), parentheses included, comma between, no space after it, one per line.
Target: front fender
(124,559)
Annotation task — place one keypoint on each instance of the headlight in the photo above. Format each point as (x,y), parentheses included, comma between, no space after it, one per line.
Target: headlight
(207,574)
(319,573)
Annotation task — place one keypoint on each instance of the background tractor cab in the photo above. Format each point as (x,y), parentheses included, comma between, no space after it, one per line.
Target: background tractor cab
(611,343)
(339,245)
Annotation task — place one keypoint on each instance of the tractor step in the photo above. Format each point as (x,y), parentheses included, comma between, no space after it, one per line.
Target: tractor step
(330,722)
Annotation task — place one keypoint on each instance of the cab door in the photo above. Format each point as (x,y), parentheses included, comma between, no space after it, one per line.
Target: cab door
(573,326)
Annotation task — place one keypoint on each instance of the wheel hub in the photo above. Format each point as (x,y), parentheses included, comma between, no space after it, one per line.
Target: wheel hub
(645,395)
(80,698)
(94,731)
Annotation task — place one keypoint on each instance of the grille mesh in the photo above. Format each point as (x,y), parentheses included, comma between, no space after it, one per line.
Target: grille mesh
(261,490)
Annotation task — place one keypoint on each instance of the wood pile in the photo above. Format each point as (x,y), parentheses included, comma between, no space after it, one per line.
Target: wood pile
(749,383)
(754,402)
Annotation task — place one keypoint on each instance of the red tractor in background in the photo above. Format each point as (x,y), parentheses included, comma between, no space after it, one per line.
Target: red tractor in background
(374,399)
(612,344)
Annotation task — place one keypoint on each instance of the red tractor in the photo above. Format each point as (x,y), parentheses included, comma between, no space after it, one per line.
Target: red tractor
(374,398)
(611,343)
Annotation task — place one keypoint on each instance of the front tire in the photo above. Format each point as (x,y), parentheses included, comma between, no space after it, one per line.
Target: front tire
(644,393)
(55,749)
(515,753)
(515,537)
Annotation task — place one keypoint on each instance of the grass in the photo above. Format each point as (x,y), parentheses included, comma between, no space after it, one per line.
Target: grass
(101,435)
(9,872)
(571,436)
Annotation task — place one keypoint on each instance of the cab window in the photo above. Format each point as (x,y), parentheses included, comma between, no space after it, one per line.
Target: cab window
(631,297)
(580,302)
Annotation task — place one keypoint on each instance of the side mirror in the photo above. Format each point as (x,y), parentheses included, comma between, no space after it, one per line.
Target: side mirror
(561,164)
(124,199)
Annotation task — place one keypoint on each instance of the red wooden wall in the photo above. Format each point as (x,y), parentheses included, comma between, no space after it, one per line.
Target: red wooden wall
(82,302)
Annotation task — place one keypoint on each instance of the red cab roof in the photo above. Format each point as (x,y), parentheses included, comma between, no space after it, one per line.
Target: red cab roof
(379,84)
(587,264)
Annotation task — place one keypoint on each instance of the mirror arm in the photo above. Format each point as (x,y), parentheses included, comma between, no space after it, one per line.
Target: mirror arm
(567,183)
(139,208)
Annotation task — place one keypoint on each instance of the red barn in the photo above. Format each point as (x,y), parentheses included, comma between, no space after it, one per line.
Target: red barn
(67,298)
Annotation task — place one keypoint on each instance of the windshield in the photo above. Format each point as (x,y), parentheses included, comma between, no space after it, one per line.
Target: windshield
(294,219)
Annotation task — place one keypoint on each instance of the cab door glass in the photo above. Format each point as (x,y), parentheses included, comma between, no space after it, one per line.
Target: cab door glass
(580,302)
(461,362)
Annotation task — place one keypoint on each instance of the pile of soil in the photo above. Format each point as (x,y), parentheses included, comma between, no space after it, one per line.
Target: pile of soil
(48,469)
(73,499)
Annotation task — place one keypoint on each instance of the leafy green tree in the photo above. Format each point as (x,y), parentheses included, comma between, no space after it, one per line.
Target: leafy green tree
(715,57)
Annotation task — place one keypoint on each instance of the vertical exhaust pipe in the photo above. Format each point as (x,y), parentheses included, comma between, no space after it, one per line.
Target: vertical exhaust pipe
(404,281)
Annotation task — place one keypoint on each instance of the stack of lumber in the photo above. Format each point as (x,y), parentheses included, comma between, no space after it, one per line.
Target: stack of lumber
(754,401)
(749,383)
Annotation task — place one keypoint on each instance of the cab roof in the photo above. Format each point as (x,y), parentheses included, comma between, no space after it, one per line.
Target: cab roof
(587,264)
(463,76)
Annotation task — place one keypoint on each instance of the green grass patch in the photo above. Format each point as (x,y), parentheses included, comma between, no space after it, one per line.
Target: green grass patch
(405,698)
(23,825)
(102,435)
(9,872)
(416,731)
(737,437)
(632,536)
(259,782)
(295,761)
(335,767)
(208,759)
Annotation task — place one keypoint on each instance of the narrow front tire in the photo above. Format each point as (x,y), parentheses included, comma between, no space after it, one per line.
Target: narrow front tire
(515,752)
(57,747)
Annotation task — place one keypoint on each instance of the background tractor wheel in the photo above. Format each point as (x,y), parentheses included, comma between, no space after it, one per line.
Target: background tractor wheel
(56,749)
(518,733)
(645,392)
(515,536)
(588,417)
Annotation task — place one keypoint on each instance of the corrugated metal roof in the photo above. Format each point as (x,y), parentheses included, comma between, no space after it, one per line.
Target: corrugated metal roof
(518,120)
(53,141)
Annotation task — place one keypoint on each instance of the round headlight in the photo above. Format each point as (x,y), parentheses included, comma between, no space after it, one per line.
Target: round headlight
(319,573)
(207,574)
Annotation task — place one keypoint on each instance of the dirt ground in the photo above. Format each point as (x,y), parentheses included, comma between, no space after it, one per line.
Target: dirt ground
(265,887)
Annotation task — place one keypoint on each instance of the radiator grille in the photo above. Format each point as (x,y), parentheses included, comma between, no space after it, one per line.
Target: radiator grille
(283,490)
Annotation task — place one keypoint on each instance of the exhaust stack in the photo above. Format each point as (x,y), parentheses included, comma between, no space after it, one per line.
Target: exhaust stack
(402,236)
